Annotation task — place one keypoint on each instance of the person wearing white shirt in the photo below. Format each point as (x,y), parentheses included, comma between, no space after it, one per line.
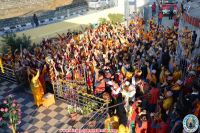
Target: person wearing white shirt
(128,92)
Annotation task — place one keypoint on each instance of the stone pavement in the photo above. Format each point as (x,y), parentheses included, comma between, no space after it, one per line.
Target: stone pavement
(39,120)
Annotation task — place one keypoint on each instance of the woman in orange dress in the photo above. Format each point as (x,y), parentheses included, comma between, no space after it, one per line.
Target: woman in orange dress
(37,89)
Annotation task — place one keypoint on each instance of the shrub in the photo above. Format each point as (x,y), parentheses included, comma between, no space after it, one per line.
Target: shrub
(116,18)
(15,41)
(103,20)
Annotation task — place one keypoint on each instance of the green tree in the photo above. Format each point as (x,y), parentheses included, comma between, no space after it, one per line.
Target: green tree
(16,41)
(116,18)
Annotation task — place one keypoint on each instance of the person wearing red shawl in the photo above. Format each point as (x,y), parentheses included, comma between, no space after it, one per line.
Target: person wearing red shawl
(135,110)
(188,82)
(154,92)
(100,88)
(89,81)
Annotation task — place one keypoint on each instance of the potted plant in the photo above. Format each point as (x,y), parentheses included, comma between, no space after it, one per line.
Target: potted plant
(92,124)
(10,113)
(72,111)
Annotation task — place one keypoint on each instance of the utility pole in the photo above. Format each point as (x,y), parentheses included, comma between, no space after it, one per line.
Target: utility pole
(135,5)
(126,10)
(132,7)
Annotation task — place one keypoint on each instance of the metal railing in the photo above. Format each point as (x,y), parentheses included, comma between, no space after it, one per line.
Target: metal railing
(73,96)
(14,75)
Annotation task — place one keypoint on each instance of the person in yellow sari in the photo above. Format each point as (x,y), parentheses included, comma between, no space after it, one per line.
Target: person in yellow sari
(111,122)
(151,76)
(168,102)
(1,65)
(154,79)
(177,74)
(162,76)
(123,129)
(37,89)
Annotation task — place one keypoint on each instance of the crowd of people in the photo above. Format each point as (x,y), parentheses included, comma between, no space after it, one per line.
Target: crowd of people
(136,68)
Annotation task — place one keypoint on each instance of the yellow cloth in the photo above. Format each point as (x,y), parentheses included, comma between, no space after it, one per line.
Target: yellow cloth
(37,90)
(167,103)
(162,77)
(123,129)
(1,66)
(76,76)
(125,73)
(176,75)
(129,75)
(123,70)
(48,100)
(176,88)
(149,74)
(153,79)
(109,43)
(113,122)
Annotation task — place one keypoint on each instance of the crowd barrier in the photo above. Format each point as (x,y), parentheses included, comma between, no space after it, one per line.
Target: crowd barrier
(192,20)
(17,76)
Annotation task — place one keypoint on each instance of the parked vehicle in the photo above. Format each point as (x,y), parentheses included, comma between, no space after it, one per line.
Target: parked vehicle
(166,5)
(96,4)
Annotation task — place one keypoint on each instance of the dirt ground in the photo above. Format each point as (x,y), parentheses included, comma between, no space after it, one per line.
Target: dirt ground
(27,8)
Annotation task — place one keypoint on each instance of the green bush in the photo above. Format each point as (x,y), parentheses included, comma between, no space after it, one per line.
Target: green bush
(103,20)
(15,41)
(116,18)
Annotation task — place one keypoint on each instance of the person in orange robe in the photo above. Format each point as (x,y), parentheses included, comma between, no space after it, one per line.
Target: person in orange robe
(141,123)
(1,65)
(37,89)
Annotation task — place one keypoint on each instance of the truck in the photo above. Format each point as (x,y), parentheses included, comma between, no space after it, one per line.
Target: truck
(165,6)
(98,4)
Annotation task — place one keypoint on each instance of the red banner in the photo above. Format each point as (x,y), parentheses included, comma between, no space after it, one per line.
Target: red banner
(192,20)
